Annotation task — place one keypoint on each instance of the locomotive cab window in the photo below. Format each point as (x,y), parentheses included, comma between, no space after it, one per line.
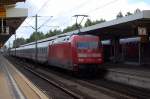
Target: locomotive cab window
(87,45)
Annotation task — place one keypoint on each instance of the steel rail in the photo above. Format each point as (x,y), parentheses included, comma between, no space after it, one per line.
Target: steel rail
(69,92)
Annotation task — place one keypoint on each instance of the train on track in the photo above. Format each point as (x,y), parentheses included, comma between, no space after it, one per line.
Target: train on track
(77,53)
(80,53)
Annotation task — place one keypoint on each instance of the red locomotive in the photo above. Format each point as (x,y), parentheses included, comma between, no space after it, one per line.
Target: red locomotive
(71,52)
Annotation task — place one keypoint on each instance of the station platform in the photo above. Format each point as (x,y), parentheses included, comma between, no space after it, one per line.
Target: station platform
(14,85)
(137,71)
(137,76)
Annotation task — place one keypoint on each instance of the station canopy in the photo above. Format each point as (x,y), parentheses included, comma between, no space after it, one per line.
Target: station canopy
(10,18)
(122,27)
(10,2)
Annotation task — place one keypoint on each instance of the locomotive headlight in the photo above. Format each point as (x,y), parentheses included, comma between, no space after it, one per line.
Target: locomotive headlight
(81,60)
(89,55)
(96,55)
(82,55)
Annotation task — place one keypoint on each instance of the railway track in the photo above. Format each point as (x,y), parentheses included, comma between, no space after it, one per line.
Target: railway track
(72,94)
(92,85)
(69,93)
(136,93)
(114,89)
(76,94)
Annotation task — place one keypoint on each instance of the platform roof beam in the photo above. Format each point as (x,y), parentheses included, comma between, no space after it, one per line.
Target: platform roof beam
(9,2)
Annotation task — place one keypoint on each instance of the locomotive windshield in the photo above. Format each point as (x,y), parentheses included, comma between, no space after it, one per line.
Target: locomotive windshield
(87,45)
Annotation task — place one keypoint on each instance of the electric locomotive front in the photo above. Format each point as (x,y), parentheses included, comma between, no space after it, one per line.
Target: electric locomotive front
(87,52)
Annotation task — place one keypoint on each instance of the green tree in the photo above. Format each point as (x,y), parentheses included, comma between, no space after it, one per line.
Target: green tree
(89,22)
(53,33)
(137,11)
(71,28)
(128,13)
(99,21)
(18,42)
(35,36)
(119,15)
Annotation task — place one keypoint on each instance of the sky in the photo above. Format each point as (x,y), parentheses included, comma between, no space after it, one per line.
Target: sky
(63,10)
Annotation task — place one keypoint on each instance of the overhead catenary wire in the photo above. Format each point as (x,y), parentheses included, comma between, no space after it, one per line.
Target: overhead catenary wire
(45,22)
(45,3)
(102,6)
(77,7)
(71,10)
(81,5)
(97,8)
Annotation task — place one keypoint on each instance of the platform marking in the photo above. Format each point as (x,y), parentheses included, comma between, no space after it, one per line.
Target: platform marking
(16,88)
(29,83)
